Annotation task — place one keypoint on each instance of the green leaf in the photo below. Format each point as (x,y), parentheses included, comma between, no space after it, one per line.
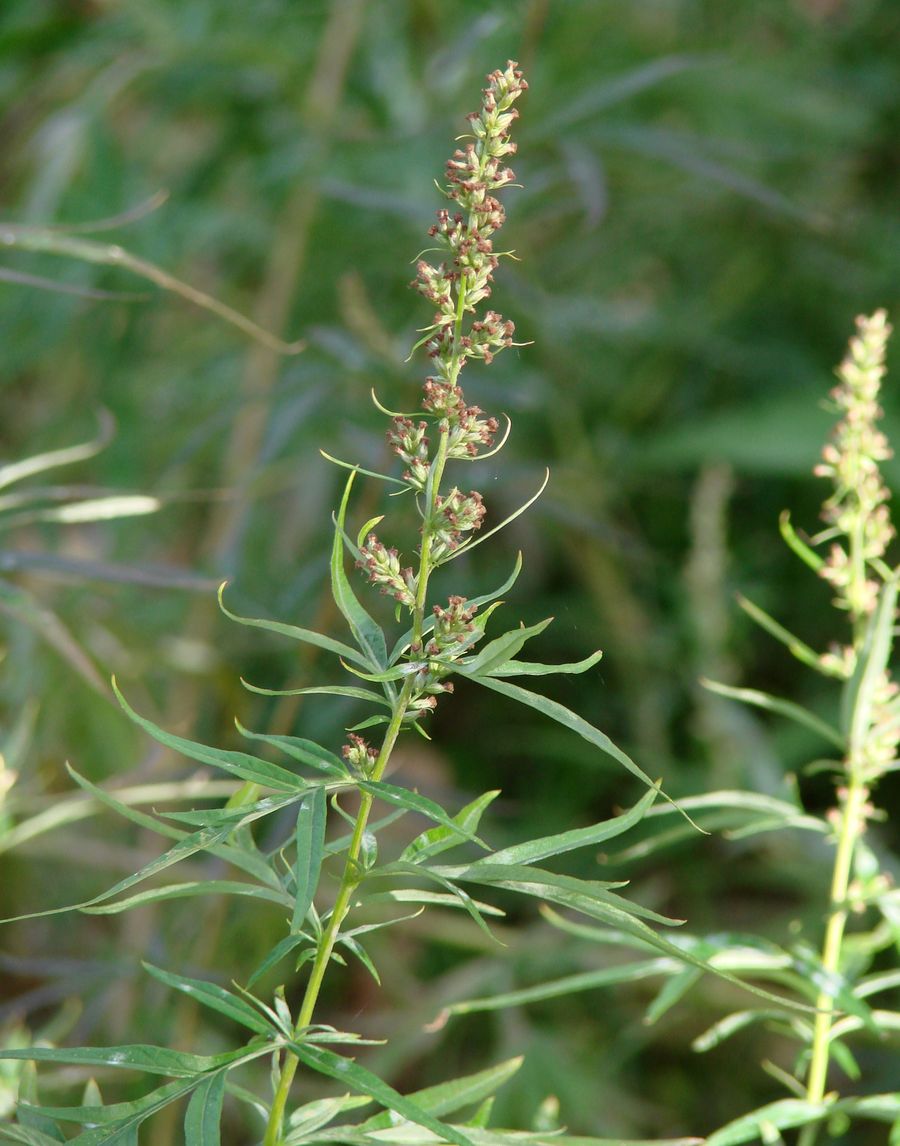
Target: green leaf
(533,851)
(304,751)
(27,1135)
(807,555)
(503,648)
(436,840)
(216,998)
(310,840)
(550,885)
(672,992)
(205,887)
(360,470)
(351,1074)
(426,898)
(535,668)
(785,1114)
(321,690)
(237,763)
(307,636)
(871,663)
(565,717)
(204,1113)
(132,1056)
(413,802)
(424,872)
(795,646)
(278,952)
(117,1122)
(786,708)
(449,1097)
(566,985)
(366,632)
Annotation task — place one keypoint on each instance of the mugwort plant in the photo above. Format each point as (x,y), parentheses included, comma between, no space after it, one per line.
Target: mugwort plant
(403,677)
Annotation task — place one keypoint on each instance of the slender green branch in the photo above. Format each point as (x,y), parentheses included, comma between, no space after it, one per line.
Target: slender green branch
(349,882)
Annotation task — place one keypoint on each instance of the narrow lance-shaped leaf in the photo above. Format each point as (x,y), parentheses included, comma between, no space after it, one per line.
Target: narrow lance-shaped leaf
(216,998)
(300,749)
(785,1114)
(202,1119)
(307,636)
(787,708)
(351,1074)
(503,648)
(366,632)
(567,718)
(436,840)
(238,763)
(536,668)
(448,1097)
(536,850)
(413,802)
(798,648)
(131,1056)
(309,835)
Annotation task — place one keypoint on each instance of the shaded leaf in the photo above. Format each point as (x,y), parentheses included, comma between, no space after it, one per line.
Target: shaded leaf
(216,998)
(307,636)
(237,763)
(310,844)
(366,632)
(204,1112)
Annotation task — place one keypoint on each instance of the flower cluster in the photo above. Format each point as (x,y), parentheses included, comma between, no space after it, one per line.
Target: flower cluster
(382,566)
(456,287)
(463,235)
(857,512)
(857,509)
(454,515)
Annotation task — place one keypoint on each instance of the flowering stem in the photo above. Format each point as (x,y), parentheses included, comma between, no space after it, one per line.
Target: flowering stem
(455,290)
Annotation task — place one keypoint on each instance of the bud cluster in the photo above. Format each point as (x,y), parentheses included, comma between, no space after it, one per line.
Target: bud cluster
(359,754)
(382,566)
(409,443)
(858,508)
(455,515)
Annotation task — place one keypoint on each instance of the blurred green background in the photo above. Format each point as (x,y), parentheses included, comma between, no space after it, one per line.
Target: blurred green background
(709,197)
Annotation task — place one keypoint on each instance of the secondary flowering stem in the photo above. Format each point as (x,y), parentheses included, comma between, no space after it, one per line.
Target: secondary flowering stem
(860,530)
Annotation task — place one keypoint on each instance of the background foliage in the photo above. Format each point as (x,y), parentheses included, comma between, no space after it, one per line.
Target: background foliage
(709,196)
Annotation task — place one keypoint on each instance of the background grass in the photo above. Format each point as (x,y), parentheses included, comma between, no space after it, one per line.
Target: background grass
(709,197)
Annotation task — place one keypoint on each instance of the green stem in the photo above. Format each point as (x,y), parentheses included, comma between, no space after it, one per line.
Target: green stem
(351,874)
(852,820)
(349,882)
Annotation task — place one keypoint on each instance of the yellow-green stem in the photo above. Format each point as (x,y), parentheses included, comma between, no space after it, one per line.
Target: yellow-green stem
(852,818)
(349,882)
